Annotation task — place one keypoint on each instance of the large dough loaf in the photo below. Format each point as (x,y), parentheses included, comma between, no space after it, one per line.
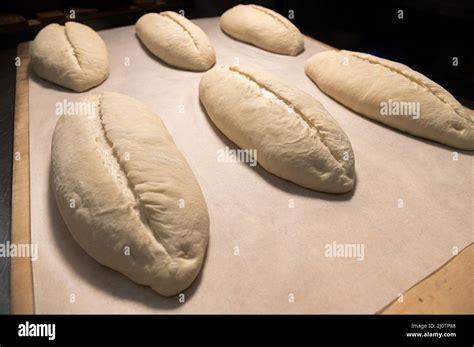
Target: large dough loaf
(391,93)
(295,137)
(263,28)
(127,194)
(176,40)
(73,56)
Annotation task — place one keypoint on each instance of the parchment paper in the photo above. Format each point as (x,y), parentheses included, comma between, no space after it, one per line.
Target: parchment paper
(263,256)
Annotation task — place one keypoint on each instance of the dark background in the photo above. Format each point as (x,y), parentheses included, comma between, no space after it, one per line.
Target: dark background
(430,34)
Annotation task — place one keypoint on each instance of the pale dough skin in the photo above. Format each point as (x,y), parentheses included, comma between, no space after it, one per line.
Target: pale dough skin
(176,40)
(73,56)
(362,82)
(295,137)
(263,28)
(133,188)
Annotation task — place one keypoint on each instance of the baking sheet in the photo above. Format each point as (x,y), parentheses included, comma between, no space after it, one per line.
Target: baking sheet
(268,237)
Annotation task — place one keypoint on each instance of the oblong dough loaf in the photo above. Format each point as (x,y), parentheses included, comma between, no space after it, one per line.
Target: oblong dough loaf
(263,28)
(120,181)
(370,85)
(176,40)
(295,137)
(73,56)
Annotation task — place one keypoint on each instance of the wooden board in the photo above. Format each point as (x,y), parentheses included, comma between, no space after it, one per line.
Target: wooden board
(448,290)
(21,291)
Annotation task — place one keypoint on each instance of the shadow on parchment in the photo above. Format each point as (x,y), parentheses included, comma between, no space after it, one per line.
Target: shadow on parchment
(104,278)
(46,84)
(276,181)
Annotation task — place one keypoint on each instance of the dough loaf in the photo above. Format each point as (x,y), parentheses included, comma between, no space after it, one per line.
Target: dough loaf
(127,194)
(176,40)
(263,28)
(393,94)
(73,56)
(295,137)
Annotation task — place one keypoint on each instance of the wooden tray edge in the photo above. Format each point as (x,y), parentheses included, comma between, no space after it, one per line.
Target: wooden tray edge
(22,298)
(21,284)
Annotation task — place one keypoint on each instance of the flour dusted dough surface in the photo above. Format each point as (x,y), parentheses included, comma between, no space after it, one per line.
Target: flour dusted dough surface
(133,188)
(263,28)
(362,82)
(176,40)
(295,137)
(73,56)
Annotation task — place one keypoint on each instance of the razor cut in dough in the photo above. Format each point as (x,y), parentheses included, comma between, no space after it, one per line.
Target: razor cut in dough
(263,28)
(176,40)
(128,195)
(293,134)
(393,94)
(73,56)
